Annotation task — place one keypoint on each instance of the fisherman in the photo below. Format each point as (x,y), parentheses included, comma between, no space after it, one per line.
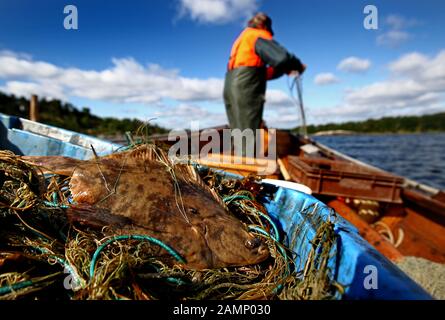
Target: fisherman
(254,59)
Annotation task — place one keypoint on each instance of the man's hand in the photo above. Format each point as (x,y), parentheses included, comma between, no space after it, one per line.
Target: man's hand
(296,73)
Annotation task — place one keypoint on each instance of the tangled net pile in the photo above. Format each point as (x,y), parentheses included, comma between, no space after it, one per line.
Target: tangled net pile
(43,256)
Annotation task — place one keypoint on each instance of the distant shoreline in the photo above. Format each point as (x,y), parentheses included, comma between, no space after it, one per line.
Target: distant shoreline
(321,134)
(429,123)
(67,116)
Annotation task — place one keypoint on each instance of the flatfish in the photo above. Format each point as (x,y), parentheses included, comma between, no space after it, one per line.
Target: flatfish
(166,201)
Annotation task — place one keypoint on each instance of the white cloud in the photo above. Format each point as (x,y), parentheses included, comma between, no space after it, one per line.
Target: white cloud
(284,119)
(181,116)
(397,22)
(19,66)
(416,86)
(409,63)
(21,88)
(396,33)
(10,53)
(217,11)
(354,65)
(278,99)
(427,71)
(325,79)
(393,38)
(387,93)
(126,81)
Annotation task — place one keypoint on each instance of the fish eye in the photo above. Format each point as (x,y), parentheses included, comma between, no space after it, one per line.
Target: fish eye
(193,210)
(252,243)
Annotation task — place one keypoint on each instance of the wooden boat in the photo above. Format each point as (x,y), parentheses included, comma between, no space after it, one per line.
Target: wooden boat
(288,207)
(398,216)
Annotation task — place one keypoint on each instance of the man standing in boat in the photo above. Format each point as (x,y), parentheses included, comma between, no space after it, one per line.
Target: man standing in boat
(255,58)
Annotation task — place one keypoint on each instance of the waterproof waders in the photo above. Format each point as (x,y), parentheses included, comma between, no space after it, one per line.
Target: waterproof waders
(244,97)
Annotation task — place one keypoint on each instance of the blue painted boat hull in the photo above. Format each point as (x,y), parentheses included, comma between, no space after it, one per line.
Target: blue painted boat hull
(353,262)
(30,138)
(355,258)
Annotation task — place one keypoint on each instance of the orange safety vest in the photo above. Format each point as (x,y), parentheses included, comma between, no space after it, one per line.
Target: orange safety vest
(243,50)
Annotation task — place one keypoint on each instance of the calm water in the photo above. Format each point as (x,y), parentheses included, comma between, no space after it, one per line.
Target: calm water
(420,157)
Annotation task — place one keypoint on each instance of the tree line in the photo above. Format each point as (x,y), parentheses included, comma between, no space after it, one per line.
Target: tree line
(400,124)
(65,115)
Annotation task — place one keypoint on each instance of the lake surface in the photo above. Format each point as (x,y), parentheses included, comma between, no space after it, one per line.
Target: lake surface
(420,157)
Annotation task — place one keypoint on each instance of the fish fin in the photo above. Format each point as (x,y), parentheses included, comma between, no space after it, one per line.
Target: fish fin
(60,165)
(94,217)
(185,172)
(145,152)
(190,175)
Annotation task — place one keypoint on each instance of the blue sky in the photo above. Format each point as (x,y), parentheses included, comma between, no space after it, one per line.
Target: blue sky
(167,59)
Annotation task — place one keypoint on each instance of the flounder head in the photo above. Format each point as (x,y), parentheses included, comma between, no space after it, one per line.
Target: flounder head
(226,236)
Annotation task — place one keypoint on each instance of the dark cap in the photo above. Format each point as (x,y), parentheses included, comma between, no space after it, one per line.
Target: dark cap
(261,21)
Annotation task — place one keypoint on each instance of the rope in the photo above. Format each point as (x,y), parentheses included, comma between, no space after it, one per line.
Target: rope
(297,82)
(276,238)
(280,286)
(231,198)
(169,278)
(64,263)
(37,232)
(15,286)
(55,205)
(275,229)
(388,235)
(25,284)
(167,248)
(265,233)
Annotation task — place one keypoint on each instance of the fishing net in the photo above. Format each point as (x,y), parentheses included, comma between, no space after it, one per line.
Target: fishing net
(43,256)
